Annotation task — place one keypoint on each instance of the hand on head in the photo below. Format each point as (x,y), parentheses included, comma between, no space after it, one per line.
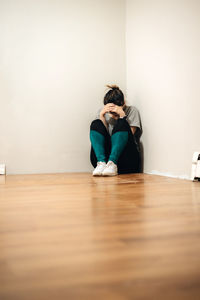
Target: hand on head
(107,109)
(117,111)
(113,109)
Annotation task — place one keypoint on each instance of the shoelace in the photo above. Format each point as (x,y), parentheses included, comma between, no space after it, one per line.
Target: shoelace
(110,163)
(100,163)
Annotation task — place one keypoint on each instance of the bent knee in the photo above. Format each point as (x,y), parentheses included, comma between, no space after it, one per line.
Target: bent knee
(121,125)
(96,124)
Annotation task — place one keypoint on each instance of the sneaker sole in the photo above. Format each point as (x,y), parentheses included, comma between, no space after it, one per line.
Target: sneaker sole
(106,175)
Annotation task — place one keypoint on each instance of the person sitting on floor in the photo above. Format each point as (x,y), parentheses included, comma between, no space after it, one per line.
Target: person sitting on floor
(114,136)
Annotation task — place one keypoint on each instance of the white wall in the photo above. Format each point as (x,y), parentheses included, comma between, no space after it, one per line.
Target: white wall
(56,56)
(163,80)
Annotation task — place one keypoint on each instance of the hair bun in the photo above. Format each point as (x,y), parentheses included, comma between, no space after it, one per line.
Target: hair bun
(114,95)
(112,86)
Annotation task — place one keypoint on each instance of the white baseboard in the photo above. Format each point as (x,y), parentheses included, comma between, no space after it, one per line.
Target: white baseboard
(154,172)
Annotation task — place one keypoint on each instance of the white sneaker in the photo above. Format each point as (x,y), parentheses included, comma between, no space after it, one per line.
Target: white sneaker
(110,170)
(101,165)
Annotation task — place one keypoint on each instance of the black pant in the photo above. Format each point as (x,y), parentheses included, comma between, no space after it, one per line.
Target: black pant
(129,160)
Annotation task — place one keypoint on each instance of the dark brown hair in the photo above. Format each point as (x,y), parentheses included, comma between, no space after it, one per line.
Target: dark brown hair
(114,95)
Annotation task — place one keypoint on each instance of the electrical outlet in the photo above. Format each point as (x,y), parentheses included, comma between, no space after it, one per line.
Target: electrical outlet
(2,169)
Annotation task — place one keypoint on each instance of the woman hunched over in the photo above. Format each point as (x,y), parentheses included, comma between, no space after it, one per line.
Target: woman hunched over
(114,136)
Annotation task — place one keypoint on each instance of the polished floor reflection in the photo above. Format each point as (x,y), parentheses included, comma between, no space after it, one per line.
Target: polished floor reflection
(74,236)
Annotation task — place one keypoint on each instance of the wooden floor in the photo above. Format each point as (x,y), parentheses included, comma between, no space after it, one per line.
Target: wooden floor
(73,236)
